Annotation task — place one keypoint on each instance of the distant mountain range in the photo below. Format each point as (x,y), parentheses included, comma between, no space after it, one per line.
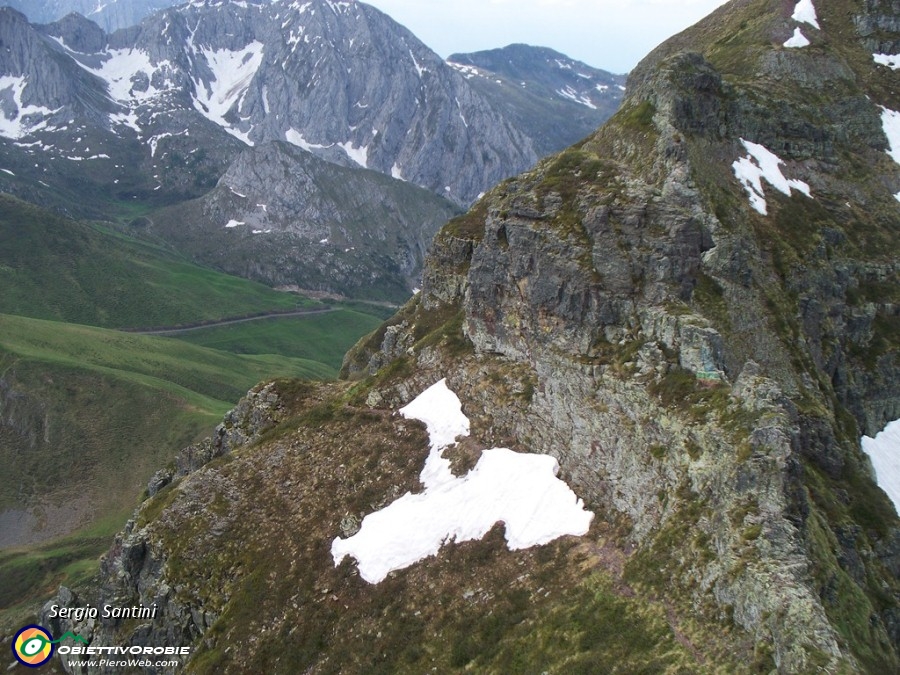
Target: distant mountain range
(116,125)
(533,84)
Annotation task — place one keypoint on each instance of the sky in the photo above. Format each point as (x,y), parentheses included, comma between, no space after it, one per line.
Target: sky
(609,34)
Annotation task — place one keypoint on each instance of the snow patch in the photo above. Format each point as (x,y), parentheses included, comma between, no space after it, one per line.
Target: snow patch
(520,490)
(8,171)
(884,451)
(805,12)
(294,137)
(468,71)
(396,172)
(419,69)
(573,95)
(798,40)
(892,61)
(121,68)
(232,72)
(125,119)
(359,155)
(758,164)
(26,119)
(234,223)
(890,122)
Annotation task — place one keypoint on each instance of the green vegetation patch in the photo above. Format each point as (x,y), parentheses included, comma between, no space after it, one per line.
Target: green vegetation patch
(54,268)
(324,338)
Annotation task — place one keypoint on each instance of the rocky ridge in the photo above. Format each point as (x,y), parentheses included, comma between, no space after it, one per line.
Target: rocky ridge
(702,370)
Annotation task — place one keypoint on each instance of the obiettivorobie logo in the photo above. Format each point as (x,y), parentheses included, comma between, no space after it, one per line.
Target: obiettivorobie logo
(33,645)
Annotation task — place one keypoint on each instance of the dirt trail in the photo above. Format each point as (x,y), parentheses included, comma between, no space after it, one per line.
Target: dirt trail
(174,330)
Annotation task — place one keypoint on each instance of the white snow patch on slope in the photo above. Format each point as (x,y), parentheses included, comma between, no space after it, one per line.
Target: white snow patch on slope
(805,12)
(358,155)
(758,164)
(419,69)
(573,95)
(294,137)
(234,223)
(126,119)
(468,71)
(890,122)
(892,61)
(23,121)
(884,451)
(798,40)
(120,68)
(232,72)
(520,490)
(396,172)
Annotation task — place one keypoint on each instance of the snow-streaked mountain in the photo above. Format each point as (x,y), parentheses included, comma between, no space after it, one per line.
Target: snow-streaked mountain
(339,79)
(533,84)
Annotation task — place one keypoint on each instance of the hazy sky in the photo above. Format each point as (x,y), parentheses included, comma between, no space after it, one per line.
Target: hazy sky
(609,34)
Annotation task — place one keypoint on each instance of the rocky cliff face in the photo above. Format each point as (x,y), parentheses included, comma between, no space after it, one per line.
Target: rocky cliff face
(283,216)
(695,311)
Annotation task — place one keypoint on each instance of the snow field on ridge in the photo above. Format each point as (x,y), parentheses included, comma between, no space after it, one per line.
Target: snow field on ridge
(520,490)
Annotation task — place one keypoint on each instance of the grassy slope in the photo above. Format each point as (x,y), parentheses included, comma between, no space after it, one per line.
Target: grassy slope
(98,412)
(54,268)
(325,337)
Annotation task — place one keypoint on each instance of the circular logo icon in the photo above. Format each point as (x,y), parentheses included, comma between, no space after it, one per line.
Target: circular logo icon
(32,646)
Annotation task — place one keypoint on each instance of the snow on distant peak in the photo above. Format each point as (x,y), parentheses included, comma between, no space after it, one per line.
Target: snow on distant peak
(339,7)
(25,119)
(798,40)
(805,12)
(359,155)
(520,490)
(892,61)
(884,452)
(758,164)
(294,137)
(419,69)
(573,95)
(467,71)
(120,68)
(232,72)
